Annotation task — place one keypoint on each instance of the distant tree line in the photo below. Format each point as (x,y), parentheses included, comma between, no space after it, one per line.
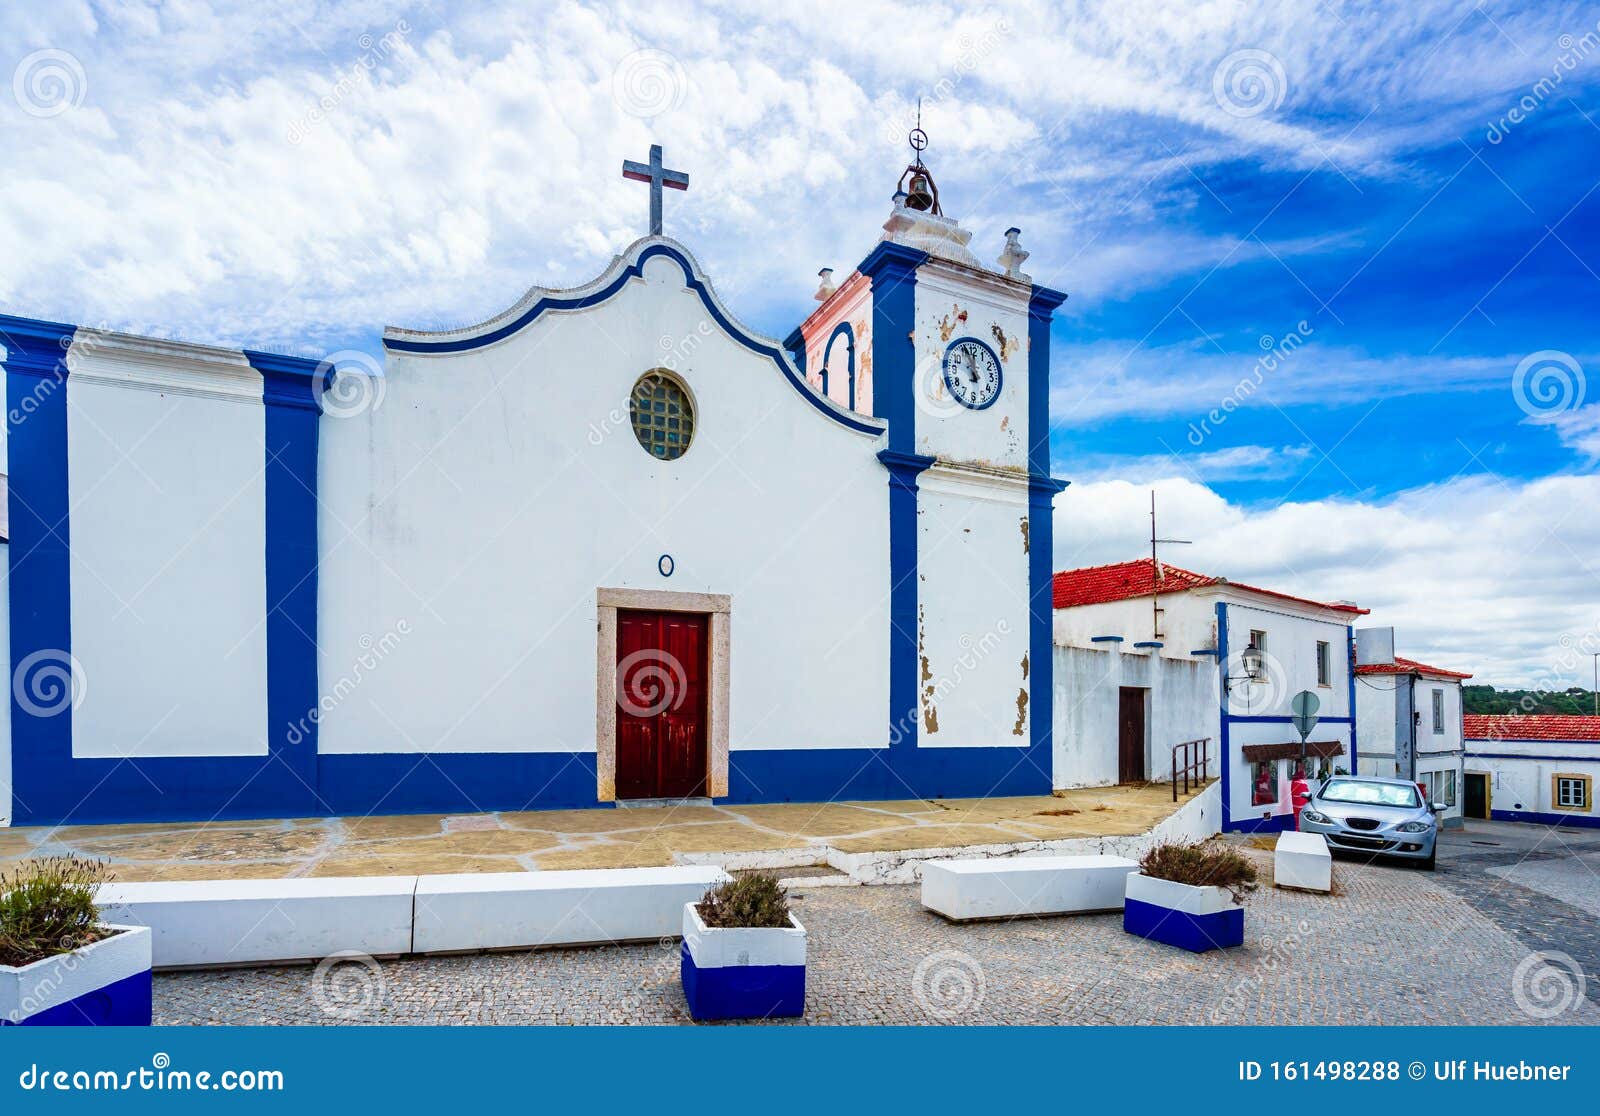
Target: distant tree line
(1487,699)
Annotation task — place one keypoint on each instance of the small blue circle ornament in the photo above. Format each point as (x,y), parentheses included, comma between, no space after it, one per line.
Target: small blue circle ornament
(666,565)
(972,373)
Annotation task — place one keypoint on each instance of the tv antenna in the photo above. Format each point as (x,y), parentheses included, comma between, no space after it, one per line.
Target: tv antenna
(1158,572)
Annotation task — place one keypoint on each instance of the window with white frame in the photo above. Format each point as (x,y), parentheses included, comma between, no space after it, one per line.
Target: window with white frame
(1324,664)
(1571,792)
(1438,712)
(1258,640)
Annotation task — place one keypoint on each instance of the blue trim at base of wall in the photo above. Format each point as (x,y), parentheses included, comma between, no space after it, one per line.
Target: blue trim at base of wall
(1278,823)
(742,991)
(1576,821)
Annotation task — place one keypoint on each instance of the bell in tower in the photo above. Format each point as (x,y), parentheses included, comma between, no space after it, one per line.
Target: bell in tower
(917,190)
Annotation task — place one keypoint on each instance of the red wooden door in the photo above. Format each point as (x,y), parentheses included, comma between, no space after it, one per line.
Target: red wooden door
(1130,735)
(661,704)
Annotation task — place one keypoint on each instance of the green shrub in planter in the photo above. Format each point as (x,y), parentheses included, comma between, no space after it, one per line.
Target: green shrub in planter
(1189,896)
(59,964)
(744,953)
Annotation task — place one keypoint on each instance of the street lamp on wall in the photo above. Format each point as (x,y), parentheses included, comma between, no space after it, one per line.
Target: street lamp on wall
(1254,664)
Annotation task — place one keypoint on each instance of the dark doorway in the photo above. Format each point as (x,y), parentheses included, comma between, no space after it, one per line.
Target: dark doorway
(1475,802)
(1130,734)
(661,704)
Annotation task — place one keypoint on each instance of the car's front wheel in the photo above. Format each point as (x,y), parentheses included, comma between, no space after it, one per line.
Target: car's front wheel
(1432,861)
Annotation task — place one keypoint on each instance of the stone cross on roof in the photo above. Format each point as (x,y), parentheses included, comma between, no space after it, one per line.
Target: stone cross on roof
(658,176)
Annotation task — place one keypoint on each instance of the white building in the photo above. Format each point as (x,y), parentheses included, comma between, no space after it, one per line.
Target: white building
(1408,715)
(605,544)
(1148,657)
(1532,767)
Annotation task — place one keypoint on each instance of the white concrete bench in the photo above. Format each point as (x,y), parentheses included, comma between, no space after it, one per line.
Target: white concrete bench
(522,910)
(236,922)
(1302,860)
(962,890)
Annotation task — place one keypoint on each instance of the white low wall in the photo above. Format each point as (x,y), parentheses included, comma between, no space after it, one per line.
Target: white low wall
(962,890)
(1302,860)
(209,923)
(236,922)
(521,910)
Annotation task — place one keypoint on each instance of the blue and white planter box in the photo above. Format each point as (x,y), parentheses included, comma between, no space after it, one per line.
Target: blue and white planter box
(106,984)
(1193,918)
(737,973)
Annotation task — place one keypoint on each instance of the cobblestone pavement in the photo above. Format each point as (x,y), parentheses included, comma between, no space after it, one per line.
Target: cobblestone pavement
(1396,946)
(1538,883)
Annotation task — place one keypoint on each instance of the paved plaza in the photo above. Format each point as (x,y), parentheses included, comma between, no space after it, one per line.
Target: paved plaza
(635,837)
(1502,933)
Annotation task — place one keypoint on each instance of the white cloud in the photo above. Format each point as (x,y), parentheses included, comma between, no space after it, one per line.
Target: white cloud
(1230,464)
(1498,578)
(479,157)
(1578,429)
(1117,378)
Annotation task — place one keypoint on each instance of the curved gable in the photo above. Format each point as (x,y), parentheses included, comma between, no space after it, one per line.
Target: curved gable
(628,266)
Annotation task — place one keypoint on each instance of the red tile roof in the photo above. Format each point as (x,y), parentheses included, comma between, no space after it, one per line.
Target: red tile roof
(1123,580)
(1403,665)
(1530,726)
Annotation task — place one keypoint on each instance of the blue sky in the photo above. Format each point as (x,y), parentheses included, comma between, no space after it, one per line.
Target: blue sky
(1201,178)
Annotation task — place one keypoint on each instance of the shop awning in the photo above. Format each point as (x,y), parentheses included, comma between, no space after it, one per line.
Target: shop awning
(1318,749)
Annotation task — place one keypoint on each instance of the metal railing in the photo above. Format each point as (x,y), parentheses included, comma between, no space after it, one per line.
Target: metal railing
(1196,763)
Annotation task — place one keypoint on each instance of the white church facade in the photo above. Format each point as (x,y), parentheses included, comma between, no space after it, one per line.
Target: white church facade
(607,545)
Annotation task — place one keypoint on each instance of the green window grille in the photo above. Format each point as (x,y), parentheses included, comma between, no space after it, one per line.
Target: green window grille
(663,416)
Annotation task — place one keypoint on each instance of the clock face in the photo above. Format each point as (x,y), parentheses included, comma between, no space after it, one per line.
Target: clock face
(972,373)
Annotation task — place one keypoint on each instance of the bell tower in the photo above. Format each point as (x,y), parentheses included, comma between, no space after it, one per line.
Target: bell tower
(956,354)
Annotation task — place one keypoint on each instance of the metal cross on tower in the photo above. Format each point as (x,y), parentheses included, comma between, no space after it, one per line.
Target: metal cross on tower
(658,176)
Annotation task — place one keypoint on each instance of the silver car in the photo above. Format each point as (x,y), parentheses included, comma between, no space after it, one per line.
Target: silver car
(1379,817)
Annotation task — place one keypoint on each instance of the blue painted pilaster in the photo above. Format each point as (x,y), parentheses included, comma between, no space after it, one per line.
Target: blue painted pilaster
(892,269)
(904,469)
(39,581)
(1224,749)
(1042,489)
(1350,674)
(292,393)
